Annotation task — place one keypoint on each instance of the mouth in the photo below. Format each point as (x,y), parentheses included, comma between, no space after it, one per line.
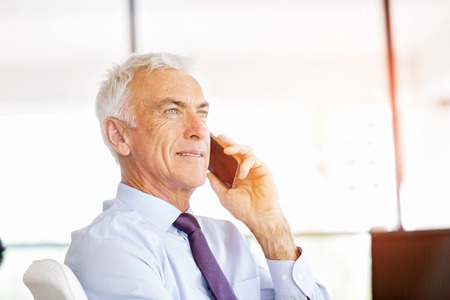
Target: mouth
(190,154)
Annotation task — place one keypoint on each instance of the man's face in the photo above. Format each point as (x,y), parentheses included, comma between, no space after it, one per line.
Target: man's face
(170,144)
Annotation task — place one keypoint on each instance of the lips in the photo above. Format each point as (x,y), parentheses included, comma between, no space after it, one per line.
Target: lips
(190,154)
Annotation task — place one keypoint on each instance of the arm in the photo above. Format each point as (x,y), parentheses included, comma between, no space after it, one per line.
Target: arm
(254,201)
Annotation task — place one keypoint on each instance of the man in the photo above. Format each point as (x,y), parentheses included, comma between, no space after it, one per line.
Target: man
(153,116)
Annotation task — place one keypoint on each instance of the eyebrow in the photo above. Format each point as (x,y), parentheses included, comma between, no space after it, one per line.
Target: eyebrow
(170,101)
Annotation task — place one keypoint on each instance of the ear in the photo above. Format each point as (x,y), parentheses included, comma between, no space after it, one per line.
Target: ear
(115,133)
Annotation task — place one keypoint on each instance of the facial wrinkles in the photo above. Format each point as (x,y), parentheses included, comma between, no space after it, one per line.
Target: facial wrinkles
(158,136)
(177,116)
(152,177)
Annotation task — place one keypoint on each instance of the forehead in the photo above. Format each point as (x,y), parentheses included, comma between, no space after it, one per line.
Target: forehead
(162,84)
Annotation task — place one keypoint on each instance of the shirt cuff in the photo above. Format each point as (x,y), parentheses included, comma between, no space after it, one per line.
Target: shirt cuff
(290,276)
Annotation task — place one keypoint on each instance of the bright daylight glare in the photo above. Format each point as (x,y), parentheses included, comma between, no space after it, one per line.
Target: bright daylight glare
(304,83)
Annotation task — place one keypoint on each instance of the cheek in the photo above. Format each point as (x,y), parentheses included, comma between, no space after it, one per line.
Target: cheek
(146,145)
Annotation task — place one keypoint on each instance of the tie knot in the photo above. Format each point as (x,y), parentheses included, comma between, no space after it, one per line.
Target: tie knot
(187,223)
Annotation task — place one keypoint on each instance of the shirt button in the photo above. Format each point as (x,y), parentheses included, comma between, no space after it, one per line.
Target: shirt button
(284,277)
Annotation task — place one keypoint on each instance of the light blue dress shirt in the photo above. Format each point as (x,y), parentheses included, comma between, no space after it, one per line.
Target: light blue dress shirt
(132,251)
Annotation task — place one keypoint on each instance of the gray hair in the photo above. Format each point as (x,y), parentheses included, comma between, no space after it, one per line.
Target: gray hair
(113,98)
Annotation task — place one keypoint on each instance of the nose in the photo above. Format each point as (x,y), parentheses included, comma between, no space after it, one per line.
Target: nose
(195,128)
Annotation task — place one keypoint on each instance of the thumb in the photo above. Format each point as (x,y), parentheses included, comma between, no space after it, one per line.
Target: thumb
(216,185)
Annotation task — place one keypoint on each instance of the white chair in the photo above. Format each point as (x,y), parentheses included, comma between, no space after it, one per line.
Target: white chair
(48,279)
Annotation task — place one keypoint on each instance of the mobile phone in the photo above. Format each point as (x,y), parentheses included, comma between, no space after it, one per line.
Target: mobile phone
(224,167)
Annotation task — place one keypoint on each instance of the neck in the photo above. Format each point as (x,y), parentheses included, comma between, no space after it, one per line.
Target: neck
(176,197)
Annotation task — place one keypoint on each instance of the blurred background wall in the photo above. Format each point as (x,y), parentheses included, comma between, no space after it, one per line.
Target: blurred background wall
(305,83)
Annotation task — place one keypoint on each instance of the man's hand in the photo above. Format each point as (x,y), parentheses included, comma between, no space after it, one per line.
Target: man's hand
(254,201)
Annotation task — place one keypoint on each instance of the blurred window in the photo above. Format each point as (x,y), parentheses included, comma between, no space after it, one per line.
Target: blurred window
(420,32)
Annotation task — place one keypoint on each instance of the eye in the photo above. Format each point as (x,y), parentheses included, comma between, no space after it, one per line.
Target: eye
(171,111)
(203,114)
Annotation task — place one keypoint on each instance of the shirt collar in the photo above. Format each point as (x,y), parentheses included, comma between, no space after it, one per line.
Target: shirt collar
(157,211)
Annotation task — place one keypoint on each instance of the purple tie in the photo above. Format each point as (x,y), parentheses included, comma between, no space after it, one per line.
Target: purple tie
(220,287)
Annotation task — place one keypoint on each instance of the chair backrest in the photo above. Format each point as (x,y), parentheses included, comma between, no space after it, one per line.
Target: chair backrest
(48,279)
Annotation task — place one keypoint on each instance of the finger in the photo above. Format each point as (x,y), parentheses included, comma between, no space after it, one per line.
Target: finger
(233,147)
(226,139)
(216,184)
(248,164)
(249,160)
(238,149)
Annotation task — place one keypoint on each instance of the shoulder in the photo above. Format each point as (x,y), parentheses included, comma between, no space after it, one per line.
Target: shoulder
(117,229)
(116,237)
